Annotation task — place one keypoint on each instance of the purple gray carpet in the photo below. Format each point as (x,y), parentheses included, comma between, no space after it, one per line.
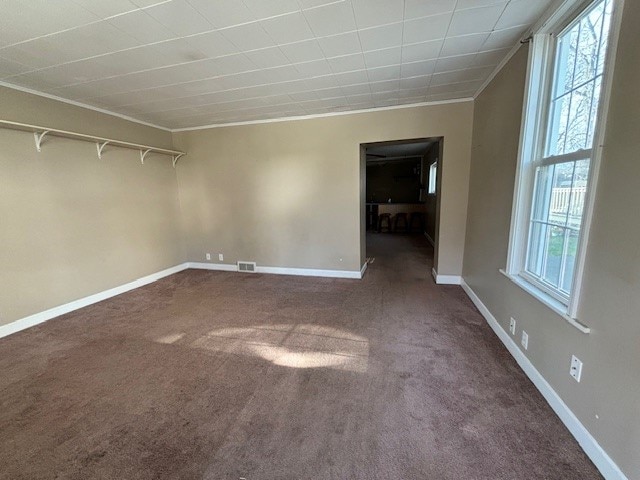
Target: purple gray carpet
(226,376)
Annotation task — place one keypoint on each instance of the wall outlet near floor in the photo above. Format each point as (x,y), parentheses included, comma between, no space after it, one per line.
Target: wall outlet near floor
(525,340)
(220,257)
(208,255)
(576,368)
(512,326)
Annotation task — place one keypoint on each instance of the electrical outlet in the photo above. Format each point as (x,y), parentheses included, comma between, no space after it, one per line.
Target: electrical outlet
(525,340)
(220,257)
(208,255)
(576,368)
(512,326)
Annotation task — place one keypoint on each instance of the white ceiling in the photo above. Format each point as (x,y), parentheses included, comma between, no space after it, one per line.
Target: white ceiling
(187,63)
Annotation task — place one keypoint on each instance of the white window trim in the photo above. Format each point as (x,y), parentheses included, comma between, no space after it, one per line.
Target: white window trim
(537,83)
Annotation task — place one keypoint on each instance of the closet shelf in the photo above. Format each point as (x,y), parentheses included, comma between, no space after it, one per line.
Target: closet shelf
(40,133)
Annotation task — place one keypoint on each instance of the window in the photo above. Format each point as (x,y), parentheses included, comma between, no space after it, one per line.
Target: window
(566,75)
(433,171)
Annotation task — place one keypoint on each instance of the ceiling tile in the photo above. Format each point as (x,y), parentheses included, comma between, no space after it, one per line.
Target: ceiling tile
(383,58)
(421,51)
(371,13)
(475,20)
(458,62)
(331,19)
(426,29)
(344,44)
(522,12)
(463,44)
(417,69)
(180,17)
(107,9)
(469,74)
(386,86)
(384,73)
(304,51)
(224,13)
(327,81)
(347,63)
(491,57)
(351,78)
(464,4)
(357,89)
(420,8)
(213,44)
(415,94)
(232,64)
(386,36)
(268,57)
(415,82)
(250,36)
(142,27)
(313,69)
(288,28)
(264,9)
(304,96)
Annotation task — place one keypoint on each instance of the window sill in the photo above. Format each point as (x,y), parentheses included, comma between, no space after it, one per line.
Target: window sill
(558,307)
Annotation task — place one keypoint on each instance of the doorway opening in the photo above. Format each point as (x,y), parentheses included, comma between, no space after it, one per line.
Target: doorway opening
(400,183)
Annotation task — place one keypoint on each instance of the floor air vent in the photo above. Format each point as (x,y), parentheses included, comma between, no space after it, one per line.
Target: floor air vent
(249,267)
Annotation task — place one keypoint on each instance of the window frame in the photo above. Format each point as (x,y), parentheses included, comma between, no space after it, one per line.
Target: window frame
(533,133)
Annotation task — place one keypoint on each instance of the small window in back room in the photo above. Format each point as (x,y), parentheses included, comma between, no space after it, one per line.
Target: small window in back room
(433,171)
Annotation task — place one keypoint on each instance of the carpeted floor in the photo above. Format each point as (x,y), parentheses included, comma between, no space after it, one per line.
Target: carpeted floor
(226,376)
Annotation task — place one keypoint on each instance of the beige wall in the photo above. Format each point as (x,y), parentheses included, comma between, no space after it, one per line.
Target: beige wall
(72,225)
(610,385)
(287,194)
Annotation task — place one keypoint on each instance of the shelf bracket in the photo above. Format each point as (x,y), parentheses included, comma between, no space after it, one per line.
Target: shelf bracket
(144,154)
(176,158)
(38,137)
(100,148)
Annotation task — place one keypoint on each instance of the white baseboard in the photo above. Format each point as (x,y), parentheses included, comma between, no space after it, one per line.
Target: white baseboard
(363,269)
(41,317)
(604,463)
(225,267)
(446,279)
(309,272)
(305,272)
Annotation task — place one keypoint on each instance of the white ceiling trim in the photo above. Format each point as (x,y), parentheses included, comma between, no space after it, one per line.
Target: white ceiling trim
(323,115)
(81,105)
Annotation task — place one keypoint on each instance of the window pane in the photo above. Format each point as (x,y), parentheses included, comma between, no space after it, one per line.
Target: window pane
(578,194)
(542,192)
(590,31)
(595,104)
(559,198)
(554,251)
(558,125)
(577,129)
(575,94)
(537,237)
(569,260)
